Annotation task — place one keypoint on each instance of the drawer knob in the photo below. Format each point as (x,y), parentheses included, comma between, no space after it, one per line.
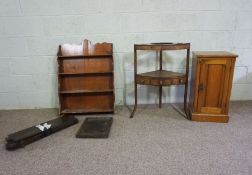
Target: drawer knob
(200,88)
(160,82)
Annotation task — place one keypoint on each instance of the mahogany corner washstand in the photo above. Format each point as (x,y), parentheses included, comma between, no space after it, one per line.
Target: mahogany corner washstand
(161,77)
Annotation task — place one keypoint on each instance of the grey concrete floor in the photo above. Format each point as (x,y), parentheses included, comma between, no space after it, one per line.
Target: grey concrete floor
(155,141)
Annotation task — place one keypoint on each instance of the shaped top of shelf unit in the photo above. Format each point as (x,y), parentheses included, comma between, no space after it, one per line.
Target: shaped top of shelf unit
(90,49)
(97,49)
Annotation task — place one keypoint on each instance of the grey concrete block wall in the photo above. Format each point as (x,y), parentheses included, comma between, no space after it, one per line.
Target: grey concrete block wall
(31,30)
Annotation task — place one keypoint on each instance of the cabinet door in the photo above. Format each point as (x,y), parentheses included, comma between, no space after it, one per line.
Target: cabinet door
(213,85)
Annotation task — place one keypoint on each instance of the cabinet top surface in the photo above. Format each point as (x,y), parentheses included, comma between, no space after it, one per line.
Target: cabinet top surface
(207,54)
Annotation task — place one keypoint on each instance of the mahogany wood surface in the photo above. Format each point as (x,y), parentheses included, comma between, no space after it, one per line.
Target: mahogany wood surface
(162,46)
(211,83)
(88,101)
(161,77)
(95,64)
(89,82)
(86,82)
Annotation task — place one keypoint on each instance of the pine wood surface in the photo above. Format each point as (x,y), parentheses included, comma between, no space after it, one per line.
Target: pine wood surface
(211,84)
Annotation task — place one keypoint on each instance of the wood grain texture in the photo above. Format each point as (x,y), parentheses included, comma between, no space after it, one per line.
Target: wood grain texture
(89,82)
(219,54)
(97,49)
(95,64)
(86,82)
(162,46)
(88,101)
(161,77)
(211,85)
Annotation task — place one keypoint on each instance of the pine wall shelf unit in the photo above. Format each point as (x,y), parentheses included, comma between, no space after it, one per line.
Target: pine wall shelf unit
(86,82)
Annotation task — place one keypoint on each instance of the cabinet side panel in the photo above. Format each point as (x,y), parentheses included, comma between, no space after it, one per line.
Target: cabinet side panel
(230,81)
(192,83)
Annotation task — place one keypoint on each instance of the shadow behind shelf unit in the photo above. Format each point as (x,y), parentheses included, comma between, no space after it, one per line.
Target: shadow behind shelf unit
(161,77)
(86,82)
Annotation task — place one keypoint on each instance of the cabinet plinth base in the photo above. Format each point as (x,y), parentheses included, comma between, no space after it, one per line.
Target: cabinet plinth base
(218,118)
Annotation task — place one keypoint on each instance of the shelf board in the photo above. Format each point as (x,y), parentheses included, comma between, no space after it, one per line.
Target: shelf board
(81,111)
(86,73)
(162,74)
(86,91)
(85,56)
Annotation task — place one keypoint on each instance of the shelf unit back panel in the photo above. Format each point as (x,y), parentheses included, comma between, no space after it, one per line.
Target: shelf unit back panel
(89,82)
(103,101)
(86,82)
(86,65)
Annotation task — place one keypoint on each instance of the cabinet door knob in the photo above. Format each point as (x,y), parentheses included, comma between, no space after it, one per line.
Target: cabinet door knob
(200,88)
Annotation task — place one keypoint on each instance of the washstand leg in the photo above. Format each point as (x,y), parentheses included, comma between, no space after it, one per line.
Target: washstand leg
(186,84)
(160,96)
(135,106)
(185,101)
